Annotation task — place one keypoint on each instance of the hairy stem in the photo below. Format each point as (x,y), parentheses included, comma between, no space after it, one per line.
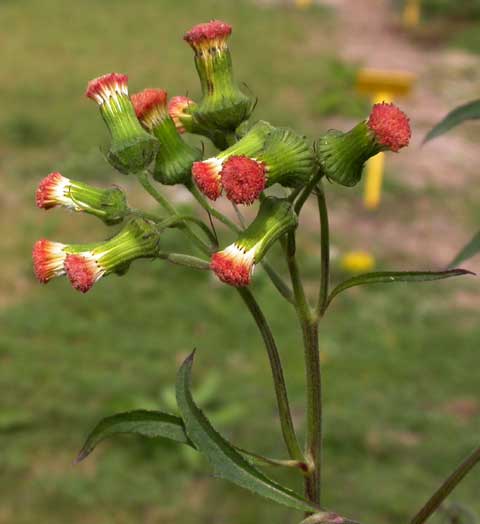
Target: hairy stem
(286,422)
(309,327)
(447,487)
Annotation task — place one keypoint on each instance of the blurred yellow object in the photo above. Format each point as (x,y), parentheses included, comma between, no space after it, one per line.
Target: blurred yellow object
(303,3)
(382,86)
(382,82)
(412,13)
(358,262)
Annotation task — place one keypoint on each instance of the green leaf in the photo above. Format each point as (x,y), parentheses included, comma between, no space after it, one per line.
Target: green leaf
(468,251)
(227,462)
(385,277)
(469,111)
(150,424)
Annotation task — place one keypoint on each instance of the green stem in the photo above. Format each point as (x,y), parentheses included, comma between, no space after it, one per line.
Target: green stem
(325,251)
(166,204)
(180,259)
(211,210)
(307,190)
(267,461)
(309,327)
(447,487)
(286,422)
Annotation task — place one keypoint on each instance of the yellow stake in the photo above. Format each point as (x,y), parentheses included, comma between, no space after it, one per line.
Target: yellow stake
(375,168)
(384,86)
(303,3)
(411,14)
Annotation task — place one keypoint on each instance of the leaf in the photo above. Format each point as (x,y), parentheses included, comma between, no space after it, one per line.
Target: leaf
(150,424)
(227,462)
(469,111)
(468,251)
(385,277)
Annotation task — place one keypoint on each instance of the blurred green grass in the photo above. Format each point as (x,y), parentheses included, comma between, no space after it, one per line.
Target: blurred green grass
(400,362)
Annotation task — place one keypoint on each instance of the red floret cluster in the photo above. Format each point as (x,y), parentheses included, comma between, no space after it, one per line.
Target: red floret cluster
(231,269)
(243,179)
(106,83)
(82,272)
(46,194)
(209,31)
(147,100)
(176,109)
(390,125)
(48,260)
(208,179)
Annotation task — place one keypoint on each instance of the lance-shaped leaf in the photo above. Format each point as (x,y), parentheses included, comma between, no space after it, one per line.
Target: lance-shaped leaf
(385,277)
(150,424)
(469,111)
(468,251)
(227,462)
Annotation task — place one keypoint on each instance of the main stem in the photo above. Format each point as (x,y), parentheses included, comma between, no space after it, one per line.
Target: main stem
(309,325)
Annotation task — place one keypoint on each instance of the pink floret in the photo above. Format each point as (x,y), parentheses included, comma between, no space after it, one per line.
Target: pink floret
(231,270)
(147,100)
(176,109)
(243,179)
(213,30)
(390,125)
(45,197)
(48,259)
(82,272)
(207,179)
(109,81)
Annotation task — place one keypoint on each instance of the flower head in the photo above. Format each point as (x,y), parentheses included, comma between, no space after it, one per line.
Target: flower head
(83,270)
(53,191)
(106,89)
(173,164)
(208,35)
(207,174)
(243,179)
(207,177)
(132,148)
(223,106)
(48,260)
(150,107)
(110,205)
(390,126)
(235,264)
(343,155)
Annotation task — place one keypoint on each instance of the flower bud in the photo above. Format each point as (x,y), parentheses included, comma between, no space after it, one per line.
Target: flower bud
(223,105)
(286,159)
(180,108)
(207,174)
(132,148)
(235,264)
(173,164)
(138,239)
(343,155)
(110,205)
